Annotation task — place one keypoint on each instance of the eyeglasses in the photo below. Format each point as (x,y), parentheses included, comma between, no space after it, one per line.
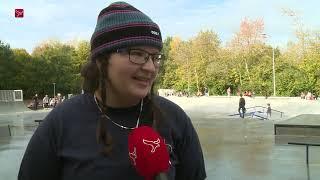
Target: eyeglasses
(139,56)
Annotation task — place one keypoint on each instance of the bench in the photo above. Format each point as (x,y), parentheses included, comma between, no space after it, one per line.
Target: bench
(38,121)
(307,148)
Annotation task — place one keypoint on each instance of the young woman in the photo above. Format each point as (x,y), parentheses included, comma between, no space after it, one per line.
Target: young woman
(86,137)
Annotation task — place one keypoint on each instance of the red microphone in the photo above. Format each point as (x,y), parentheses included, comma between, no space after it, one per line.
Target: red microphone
(148,153)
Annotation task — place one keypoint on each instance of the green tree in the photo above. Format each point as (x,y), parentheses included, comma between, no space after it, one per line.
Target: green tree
(204,52)
(7,67)
(22,58)
(54,62)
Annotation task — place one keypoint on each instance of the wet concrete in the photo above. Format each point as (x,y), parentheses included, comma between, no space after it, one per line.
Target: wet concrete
(11,152)
(234,149)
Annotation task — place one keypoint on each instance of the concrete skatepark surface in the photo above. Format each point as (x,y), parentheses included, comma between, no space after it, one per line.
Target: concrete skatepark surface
(222,106)
(234,148)
(12,107)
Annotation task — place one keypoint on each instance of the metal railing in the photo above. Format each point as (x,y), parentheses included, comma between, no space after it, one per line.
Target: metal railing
(256,112)
(263,108)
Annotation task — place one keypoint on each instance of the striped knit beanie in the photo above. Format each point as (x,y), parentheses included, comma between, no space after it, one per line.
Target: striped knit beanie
(121,25)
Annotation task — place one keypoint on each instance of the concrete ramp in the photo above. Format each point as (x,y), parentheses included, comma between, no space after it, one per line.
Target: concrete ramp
(304,128)
(13,107)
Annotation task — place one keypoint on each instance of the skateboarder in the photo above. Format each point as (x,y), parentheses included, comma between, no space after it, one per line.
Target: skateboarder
(242,104)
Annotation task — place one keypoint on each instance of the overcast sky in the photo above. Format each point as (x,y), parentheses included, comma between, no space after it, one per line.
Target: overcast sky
(75,19)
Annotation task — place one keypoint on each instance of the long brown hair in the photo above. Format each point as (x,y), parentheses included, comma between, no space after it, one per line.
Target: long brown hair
(93,79)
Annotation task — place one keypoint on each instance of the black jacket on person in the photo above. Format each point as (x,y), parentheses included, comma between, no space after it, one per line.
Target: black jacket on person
(242,102)
(64,146)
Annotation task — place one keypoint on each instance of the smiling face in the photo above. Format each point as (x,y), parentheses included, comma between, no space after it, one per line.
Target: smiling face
(130,81)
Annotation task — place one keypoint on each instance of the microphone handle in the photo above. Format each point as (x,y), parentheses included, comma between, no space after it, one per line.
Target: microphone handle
(161,176)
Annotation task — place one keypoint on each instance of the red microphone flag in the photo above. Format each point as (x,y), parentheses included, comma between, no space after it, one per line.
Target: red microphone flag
(148,152)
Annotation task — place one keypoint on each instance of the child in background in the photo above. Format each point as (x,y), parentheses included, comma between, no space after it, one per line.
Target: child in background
(268,111)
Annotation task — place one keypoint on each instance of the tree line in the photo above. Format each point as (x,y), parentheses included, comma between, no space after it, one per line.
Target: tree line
(243,64)
(50,62)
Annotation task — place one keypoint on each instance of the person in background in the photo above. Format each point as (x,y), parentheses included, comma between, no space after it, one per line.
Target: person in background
(45,101)
(242,108)
(35,101)
(302,95)
(53,102)
(63,98)
(268,111)
(59,98)
(229,91)
(86,137)
(206,91)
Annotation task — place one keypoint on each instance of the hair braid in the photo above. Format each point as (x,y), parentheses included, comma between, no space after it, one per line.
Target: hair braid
(103,136)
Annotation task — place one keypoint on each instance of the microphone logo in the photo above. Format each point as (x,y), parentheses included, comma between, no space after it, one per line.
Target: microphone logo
(154,144)
(148,152)
(133,155)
